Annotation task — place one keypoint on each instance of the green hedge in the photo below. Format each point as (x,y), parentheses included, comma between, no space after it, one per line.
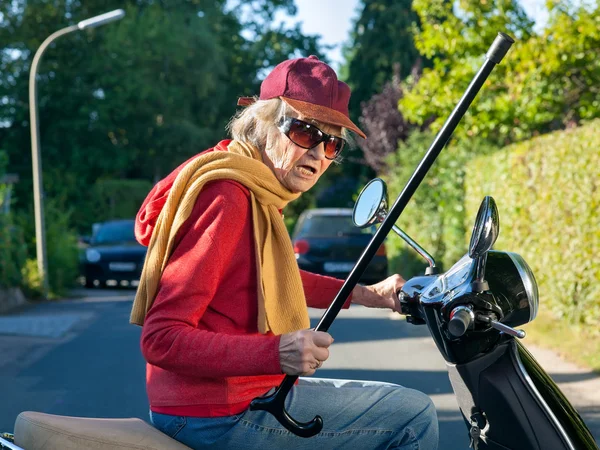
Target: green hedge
(435,216)
(548,194)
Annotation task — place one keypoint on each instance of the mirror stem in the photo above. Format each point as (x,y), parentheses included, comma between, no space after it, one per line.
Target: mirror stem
(480,285)
(432,269)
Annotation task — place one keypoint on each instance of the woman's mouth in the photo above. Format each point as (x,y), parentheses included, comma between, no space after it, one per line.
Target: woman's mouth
(306,171)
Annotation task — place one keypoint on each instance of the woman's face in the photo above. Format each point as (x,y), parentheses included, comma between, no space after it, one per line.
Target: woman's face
(297,168)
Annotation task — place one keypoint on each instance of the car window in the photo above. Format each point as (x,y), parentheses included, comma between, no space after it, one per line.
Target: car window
(324,225)
(114,232)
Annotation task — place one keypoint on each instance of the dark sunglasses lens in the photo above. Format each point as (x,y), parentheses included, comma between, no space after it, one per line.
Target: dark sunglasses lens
(304,134)
(333,147)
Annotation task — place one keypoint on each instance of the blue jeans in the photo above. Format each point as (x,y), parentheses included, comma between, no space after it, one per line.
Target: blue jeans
(356,414)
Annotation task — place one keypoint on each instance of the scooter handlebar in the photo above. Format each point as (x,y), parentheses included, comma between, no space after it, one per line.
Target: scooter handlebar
(461,319)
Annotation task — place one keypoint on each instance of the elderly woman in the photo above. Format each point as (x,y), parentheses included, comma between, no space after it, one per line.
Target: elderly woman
(221,299)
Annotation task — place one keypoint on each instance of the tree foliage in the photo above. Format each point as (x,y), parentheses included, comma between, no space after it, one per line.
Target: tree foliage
(383,122)
(547,81)
(121,105)
(381,39)
(135,98)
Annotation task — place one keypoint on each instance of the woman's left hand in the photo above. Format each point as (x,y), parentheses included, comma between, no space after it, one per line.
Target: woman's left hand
(380,295)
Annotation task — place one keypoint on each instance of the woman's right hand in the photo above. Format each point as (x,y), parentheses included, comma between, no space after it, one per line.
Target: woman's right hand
(302,352)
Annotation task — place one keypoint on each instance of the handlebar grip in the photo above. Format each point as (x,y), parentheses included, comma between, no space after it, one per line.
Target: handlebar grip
(461,319)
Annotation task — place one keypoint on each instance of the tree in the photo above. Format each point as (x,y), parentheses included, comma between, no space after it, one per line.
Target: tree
(557,72)
(383,122)
(457,42)
(382,38)
(135,98)
(547,81)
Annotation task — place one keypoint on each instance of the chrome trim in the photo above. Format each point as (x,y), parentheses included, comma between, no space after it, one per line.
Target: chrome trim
(508,330)
(410,241)
(541,399)
(7,444)
(529,282)
(463,308)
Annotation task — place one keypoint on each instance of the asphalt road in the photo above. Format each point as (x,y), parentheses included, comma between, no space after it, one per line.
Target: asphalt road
(81,357)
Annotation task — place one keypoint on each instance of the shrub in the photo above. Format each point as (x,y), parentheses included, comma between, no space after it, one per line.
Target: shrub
(12,252)
(12,246)
(548,195)
(61,250)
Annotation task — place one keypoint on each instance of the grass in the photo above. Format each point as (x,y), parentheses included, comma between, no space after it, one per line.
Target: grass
(574,343)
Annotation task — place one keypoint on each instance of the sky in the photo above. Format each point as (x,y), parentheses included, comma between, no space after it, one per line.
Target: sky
(333,20)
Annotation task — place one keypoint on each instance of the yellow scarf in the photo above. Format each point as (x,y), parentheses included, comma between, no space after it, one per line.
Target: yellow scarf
(281,302)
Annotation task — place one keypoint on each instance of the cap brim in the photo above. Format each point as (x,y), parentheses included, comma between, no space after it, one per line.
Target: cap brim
(323,114)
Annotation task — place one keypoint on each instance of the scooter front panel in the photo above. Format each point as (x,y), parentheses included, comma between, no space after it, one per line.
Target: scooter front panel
(566,415)
(495,389)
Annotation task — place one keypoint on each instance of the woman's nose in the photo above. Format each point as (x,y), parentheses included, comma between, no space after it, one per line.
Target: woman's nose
(318,151)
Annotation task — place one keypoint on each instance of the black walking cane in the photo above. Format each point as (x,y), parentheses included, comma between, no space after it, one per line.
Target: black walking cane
(274,403)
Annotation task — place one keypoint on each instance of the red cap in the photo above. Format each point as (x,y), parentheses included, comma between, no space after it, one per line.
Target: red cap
(311,87)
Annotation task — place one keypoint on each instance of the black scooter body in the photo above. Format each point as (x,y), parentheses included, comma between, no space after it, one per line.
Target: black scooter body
(503,393)
(516,404)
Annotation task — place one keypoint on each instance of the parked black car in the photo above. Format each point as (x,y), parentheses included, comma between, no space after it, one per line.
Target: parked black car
(327,242)
(113,254)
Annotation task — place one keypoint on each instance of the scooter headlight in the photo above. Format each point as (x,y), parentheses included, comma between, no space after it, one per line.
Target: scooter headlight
(514,286)
(529,283)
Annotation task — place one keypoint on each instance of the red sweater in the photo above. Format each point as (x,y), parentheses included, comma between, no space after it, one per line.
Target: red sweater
(200,339)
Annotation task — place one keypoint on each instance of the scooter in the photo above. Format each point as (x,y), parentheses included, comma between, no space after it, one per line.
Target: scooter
(507,400)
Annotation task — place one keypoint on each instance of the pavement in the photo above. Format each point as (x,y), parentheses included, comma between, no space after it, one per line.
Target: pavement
(370,344)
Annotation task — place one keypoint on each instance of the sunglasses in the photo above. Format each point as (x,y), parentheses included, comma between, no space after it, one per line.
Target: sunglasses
(308,136)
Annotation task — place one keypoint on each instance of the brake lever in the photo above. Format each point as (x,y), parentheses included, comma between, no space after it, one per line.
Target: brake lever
(502,327)
(275,403)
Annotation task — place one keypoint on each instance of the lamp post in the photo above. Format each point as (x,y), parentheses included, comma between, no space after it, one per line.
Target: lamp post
(38,196)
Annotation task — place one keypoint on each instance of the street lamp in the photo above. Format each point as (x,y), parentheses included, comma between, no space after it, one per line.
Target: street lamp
(38,196)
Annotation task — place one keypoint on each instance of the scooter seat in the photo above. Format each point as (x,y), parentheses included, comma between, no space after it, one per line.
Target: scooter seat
(37,431)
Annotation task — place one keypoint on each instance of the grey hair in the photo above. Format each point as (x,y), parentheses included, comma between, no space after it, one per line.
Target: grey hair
(254,123)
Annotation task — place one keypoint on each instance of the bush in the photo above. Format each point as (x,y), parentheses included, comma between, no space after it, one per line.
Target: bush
(12,246)
(61,249)
(548,195)
(12,252)
(435,216)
